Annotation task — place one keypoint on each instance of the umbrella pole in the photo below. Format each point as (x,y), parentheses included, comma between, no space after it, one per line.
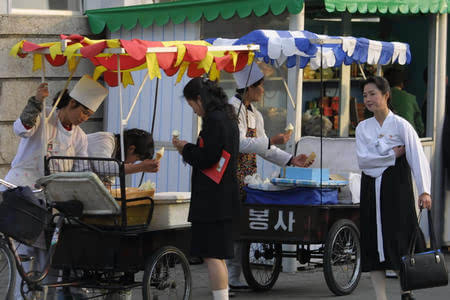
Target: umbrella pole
(154,106)
(153,120)
(65,88)
(136,98)
(44,121)
(322,94)
(122,121)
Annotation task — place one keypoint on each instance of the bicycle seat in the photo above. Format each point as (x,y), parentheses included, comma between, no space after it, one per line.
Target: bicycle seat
(72,208)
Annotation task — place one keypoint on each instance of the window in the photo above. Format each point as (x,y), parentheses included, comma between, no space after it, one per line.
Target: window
(46,7)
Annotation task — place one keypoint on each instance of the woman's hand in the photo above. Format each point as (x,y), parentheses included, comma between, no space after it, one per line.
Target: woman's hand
(179,144)
(281,138)
(425,201)
(150,165)
(42,92)
(300,161)
(399,151)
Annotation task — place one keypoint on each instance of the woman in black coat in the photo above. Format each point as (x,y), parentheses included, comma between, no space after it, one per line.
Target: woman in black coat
(214,206)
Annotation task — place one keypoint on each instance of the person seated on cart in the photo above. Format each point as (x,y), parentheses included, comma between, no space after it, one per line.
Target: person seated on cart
(64,138)
(138,145)
(214,208)
(254,141)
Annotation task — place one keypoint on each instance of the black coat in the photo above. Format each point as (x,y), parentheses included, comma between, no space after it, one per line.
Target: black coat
(211,202)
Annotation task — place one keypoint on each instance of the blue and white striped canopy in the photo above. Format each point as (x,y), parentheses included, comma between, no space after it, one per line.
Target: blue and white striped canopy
(286,46)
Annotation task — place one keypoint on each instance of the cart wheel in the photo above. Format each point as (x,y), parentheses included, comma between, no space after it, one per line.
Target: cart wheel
(261,265)
(342,257)
(7,272)
(167,276)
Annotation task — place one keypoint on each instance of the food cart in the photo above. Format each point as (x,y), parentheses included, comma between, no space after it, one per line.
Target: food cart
(323,234)
(90,236)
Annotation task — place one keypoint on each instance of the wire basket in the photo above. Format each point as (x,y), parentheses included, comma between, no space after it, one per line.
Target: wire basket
(110,171)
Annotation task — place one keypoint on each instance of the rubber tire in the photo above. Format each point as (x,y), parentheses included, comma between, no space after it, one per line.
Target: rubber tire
(337,228)
(152,263)
(11,265)
(246,268)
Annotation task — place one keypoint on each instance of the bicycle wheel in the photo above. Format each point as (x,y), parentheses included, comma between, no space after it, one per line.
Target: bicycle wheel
(167,276)
(342,258)
(7,272)
(261,265)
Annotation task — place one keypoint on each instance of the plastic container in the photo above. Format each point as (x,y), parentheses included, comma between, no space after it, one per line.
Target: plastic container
(170,211)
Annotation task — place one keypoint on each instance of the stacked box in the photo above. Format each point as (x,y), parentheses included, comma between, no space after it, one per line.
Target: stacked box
(313,174)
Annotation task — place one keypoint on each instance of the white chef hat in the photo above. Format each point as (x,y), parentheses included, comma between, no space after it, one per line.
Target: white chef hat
(245,76)
(89,92)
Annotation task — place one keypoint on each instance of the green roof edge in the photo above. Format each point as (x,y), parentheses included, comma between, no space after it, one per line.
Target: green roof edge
(177,12)
(393,7)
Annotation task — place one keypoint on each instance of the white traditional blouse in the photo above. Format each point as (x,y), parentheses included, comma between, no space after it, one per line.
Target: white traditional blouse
(374,143)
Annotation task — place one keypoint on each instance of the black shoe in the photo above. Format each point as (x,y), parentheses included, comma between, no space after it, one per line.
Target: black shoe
(195,260)
(238,287)
(408,296)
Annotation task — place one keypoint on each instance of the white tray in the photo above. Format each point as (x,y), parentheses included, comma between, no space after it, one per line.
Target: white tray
(308,183)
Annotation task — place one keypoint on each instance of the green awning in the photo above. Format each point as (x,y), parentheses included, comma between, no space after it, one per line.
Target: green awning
(388,6)
(177,12)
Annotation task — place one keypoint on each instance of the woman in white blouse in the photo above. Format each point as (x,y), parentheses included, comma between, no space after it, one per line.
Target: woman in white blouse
(388,149)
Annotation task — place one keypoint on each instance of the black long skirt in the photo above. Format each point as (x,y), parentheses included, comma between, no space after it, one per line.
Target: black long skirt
(398,217)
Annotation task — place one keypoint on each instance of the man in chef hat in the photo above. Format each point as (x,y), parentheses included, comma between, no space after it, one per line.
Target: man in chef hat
(89,93)
(254,141)
(64,138)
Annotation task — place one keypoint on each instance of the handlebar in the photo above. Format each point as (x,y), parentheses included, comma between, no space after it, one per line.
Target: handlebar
(7,184)
(13,186)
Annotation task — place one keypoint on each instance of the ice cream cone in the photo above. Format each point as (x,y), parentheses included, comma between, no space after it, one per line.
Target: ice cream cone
(289,128)
(310,158)
(175,134)
(160,153)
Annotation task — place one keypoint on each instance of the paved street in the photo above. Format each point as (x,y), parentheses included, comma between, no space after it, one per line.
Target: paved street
(309,285)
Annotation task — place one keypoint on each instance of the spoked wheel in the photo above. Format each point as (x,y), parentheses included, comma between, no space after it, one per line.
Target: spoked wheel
(261,264)
(30,291)
(7,272)
(167,276)
(342,258)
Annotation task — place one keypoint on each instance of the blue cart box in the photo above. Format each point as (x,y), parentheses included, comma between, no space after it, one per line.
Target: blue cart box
(312,174)
(295,196)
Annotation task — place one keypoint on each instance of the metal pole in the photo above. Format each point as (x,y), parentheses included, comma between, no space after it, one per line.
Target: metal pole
(345,85)
(65,88)
(137,96)
(122,146)
(154,106)
(438,170)
(43,121)
(295,84)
